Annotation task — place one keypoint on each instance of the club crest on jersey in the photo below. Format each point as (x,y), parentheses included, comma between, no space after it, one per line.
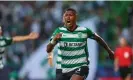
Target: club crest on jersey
(126,55)
(79,34)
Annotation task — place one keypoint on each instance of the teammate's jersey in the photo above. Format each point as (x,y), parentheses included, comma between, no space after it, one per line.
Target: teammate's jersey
(4,41)
(72,48)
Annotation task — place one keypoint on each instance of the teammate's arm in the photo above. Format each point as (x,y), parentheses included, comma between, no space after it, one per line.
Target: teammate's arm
(104,44)
(31,36)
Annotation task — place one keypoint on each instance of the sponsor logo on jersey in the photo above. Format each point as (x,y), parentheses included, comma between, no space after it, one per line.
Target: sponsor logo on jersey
(72,44)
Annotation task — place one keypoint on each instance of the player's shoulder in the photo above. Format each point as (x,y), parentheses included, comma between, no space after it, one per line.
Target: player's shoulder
(117,48)
(62,28)
(129,47)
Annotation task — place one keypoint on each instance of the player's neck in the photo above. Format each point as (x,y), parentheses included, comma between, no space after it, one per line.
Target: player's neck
(72,28)
(123,46)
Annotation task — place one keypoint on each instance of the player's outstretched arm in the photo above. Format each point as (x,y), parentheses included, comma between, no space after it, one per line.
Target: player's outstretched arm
(31,36)
(104,44)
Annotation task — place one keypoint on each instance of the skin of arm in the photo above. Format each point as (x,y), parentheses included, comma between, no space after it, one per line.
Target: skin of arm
(53,42)
(116,64)
(104,44)
(50,47)
(31,36)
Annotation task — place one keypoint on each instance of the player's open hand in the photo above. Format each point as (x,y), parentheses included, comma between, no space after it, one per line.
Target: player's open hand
(57,37)
(33,35)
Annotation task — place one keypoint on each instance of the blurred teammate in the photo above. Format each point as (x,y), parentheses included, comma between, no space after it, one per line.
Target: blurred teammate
(72,48)
(123,59)
(5,41)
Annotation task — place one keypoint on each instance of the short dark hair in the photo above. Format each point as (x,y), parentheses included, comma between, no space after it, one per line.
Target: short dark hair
(71,9)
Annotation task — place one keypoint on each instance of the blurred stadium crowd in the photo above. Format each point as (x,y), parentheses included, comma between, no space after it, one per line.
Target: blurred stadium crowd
(112,19)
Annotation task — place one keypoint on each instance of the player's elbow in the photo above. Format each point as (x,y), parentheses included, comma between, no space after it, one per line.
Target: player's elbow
(49,48)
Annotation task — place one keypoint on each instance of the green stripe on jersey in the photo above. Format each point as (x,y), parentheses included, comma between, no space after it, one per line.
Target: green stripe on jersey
(58,62)
(73,65)
(73,57)
(73,39)
(59,55)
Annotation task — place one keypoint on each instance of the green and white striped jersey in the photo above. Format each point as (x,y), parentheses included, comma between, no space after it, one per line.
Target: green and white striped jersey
(4,41)
(72,48)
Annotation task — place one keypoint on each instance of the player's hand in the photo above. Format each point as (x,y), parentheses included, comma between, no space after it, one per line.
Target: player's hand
(57,37)
(111,55)
(33,35)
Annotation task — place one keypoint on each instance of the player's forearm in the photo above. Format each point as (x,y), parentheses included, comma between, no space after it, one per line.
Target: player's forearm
(52,43)
(104,44)
(116,62)
(20,38)
(50,47)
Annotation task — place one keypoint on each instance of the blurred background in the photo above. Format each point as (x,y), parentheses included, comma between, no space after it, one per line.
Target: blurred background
(28,60)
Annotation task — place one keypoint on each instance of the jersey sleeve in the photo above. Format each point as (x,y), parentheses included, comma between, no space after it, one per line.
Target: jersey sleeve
(8,40)
(55,32)
(90,33)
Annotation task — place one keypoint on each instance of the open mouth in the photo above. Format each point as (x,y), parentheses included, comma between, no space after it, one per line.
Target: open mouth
(68,21)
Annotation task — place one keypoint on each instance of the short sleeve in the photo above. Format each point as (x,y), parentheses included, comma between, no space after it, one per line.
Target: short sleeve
(55,32)
(90,33)
(8,40)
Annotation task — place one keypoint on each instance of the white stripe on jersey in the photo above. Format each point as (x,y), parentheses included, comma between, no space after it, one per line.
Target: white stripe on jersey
(74,61)
(70,35)
(72,53)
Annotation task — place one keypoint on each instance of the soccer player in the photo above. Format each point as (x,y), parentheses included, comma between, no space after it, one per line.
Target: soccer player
(72,48)
(5,41)
(123,59)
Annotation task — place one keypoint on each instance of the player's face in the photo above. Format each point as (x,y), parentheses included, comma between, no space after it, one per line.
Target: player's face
(69,18)
(123,42)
